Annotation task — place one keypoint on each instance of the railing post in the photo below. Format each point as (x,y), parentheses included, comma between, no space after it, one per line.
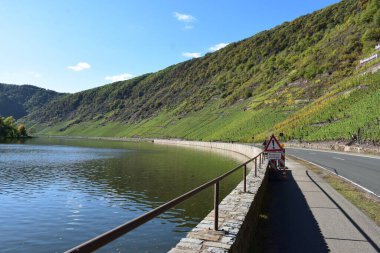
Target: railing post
(245,177)
(255,171)
(255,163)
(216,205)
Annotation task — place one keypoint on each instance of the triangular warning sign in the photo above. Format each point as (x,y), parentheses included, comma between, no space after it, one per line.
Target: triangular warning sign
(273,145)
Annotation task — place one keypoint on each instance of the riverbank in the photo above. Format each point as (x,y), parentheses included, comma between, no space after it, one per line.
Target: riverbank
(99,138)
(325,145)
(19,139)
(238,211)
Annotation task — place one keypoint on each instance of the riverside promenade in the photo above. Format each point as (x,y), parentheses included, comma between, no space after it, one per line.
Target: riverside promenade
(307,215)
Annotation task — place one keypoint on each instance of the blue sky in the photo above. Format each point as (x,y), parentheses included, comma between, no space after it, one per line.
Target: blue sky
(73,45)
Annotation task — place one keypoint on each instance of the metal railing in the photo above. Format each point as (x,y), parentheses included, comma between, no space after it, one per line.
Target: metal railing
(115,233)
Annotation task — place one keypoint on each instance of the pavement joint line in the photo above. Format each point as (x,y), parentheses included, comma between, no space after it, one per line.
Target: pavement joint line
(369,240)
(352,182)
(340,153)
(344,239)
(321,207)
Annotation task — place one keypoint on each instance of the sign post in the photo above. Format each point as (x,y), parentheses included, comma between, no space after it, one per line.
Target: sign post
(276,155)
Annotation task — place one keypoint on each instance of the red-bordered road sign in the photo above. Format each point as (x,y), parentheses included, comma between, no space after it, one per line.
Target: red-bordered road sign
(273,145)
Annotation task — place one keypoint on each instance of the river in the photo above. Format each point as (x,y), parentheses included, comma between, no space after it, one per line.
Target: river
(57,193)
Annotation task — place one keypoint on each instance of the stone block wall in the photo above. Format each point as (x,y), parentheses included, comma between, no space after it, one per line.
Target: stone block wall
(238,211)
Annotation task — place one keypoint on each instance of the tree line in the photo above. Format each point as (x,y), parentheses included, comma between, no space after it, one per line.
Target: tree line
(10,129)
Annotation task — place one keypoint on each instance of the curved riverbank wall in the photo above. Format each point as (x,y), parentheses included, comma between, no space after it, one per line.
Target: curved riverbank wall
(238,211)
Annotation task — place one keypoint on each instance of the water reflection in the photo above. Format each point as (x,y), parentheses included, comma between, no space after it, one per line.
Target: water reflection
(55,194)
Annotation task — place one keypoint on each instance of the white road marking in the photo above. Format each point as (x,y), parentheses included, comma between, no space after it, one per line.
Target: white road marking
(338,158)
(352,182)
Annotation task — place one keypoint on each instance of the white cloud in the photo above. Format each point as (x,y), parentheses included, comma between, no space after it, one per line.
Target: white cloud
(191,55)
(217,47)
(184,17)
(120,77)
(80,66)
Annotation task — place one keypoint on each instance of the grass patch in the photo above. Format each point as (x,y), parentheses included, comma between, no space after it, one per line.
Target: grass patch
(366,202)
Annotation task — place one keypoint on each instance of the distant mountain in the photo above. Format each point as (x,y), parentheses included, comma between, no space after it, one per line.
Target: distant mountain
(19,100)
(302,78)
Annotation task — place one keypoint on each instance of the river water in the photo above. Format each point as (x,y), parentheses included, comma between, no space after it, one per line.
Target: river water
(57,193)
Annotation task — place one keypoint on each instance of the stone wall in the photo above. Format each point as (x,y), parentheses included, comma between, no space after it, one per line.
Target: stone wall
(246,150)
(336,146)
(238,211)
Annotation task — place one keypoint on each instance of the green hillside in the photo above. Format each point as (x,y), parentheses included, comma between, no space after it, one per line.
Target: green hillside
(19,100)
(302,78)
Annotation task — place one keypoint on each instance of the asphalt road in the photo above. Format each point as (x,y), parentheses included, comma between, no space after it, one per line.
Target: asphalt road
(363,170)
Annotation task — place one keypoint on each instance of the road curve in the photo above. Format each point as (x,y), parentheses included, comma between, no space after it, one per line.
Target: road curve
(361,169)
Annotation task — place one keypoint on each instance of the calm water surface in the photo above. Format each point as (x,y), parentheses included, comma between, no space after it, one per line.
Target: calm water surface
(55,193)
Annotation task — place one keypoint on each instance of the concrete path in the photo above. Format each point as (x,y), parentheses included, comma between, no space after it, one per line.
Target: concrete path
(307,215)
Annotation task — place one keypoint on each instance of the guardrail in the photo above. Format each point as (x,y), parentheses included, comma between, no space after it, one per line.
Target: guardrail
(109,236)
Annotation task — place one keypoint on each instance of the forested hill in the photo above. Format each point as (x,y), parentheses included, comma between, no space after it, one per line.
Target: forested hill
(19,100)
(302,77)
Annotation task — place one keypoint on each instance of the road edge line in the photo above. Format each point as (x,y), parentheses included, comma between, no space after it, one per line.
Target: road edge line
(346,179)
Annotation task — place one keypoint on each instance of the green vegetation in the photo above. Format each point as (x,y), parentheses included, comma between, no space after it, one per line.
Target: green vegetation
(350,108)
(9,128)
(302,78)
(19,100)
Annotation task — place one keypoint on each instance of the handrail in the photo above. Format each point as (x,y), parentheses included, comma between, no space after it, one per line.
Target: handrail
(105,238)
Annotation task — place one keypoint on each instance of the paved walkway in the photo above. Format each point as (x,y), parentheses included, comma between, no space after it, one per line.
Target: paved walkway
(307,215)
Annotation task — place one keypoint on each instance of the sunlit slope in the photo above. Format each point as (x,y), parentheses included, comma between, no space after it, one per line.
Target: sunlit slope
(301,78)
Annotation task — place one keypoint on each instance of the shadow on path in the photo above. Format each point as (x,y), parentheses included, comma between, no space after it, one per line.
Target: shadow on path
(289,225)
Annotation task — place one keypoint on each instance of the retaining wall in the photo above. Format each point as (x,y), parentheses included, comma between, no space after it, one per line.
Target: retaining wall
(238,211)
(336,146)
